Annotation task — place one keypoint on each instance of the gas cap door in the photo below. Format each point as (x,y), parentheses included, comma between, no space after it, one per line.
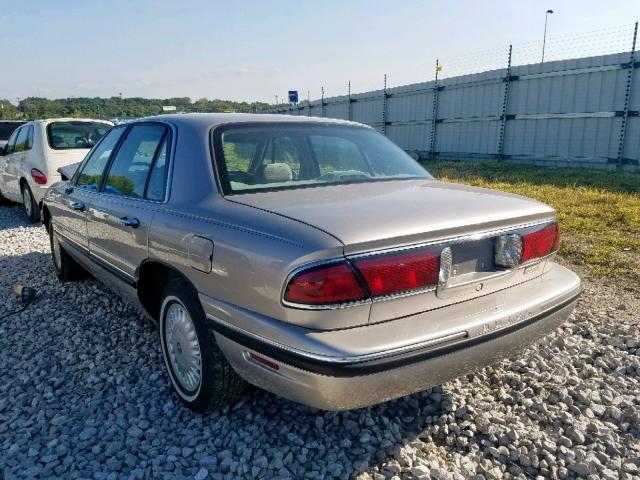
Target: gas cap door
(200,253)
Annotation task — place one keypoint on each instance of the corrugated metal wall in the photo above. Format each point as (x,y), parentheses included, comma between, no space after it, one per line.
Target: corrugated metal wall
(567,112)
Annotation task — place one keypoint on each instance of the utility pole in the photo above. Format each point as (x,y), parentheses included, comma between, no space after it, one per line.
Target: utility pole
(544,38)
(121,104)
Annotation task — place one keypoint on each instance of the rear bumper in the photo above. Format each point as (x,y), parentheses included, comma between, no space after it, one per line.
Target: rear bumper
(345,369)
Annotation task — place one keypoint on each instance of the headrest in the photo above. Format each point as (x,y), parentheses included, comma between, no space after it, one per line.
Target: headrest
(277,172)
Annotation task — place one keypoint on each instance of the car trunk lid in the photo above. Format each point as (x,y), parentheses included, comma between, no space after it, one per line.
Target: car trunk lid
(378,215)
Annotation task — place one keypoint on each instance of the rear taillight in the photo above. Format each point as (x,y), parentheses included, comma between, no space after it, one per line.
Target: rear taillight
(385,274)
(540,243)
(38,177)
(399,272)
(325,285)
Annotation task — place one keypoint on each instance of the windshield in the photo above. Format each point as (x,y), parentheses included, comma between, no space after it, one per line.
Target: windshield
(265,156)
(7,128)
(66,135)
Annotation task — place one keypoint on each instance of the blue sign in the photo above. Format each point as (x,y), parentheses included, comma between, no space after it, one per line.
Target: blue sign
(293,96)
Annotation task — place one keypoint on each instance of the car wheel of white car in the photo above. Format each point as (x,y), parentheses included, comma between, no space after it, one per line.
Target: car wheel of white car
(31,208)
(199,372)
(66,268)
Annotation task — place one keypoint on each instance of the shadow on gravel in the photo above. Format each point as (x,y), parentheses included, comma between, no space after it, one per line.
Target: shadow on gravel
(12,216)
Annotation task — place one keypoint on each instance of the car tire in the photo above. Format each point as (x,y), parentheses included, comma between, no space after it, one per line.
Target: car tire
(31,207)
(66,268)
(199,373)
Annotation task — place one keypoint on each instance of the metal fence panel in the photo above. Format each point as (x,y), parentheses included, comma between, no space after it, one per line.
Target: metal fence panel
(564,112)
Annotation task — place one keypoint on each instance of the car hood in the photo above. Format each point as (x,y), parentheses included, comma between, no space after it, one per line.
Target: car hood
(365,216)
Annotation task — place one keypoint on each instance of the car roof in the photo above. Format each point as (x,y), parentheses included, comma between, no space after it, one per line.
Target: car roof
(210,120)
(50,120)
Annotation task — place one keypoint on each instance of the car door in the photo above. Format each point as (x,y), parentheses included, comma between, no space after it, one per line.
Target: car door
(12,164)
(4,162)
(120,215)
(15,170)
(73,204)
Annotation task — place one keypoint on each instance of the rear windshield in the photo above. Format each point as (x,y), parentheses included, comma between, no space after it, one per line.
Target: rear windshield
(258,157)
(66,135)
(7,128)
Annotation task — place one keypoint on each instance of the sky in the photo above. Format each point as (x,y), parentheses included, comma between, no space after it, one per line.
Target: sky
(253,50)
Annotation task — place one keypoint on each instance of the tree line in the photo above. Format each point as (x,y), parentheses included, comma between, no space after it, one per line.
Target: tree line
(33,108)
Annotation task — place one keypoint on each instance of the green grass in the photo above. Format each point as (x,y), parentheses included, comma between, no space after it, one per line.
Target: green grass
(598,211)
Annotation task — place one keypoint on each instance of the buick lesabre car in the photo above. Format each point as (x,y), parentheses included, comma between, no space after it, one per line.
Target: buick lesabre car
(310,257)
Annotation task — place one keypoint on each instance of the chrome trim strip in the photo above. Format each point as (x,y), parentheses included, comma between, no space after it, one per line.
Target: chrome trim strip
(346,358)
(410,293)
(450,241)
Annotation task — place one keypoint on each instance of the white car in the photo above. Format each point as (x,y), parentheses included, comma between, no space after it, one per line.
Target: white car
(34,152)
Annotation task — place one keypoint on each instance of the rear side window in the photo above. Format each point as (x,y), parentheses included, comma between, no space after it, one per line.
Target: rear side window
(30,137)
(133,164)
(158,176)
(90,172)
(22,142)
(68,135)
(11,144)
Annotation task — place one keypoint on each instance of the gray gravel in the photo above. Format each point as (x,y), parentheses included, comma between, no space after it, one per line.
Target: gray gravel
(83,393)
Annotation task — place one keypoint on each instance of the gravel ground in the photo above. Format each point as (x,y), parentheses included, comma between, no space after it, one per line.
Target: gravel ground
(83,393)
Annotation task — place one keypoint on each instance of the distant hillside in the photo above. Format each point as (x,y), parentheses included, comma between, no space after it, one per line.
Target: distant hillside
(34,107)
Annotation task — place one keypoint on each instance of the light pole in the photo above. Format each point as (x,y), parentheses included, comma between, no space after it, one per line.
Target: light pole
(121,104)
(544,39)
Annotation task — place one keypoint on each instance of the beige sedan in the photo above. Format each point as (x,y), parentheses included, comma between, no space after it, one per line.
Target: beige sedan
(310,257)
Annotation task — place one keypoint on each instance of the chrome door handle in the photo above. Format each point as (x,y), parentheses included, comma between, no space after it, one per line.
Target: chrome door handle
(129,222)
(78,206)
